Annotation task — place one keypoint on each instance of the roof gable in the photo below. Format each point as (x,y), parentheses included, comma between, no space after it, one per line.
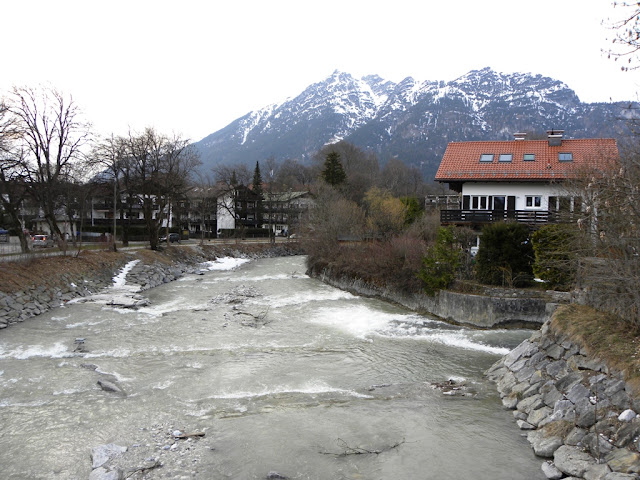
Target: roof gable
(461,160)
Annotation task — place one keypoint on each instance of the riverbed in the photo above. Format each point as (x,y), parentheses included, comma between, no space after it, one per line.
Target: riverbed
(282,374)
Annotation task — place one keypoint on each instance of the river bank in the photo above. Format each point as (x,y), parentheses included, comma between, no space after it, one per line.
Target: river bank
(500,309)
(30,288)
(579,411)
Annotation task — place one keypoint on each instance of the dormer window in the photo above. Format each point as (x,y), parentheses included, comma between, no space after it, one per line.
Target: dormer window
(505,157)
(529,157)
(565,157)
(486,157)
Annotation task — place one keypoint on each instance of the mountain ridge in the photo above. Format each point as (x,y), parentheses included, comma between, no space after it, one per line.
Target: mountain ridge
(411,120)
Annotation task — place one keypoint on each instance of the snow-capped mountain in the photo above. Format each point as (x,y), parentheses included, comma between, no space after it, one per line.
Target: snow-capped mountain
(412,120)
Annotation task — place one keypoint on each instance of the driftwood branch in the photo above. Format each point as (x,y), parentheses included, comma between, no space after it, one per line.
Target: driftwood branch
(257,319)
(143,470)
(349,450)
(188,435)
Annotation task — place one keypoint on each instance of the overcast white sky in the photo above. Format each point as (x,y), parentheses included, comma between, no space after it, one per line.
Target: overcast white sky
(194,66)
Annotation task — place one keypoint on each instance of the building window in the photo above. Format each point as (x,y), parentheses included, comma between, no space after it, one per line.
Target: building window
(486,157)
(533,201)
(529,157)
(505,157)
(479,203)
(565,157)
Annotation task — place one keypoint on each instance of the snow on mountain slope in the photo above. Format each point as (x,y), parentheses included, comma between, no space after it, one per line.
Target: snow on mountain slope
(412,119)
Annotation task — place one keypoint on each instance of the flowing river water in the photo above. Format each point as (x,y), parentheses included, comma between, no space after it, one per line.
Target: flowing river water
(286,376)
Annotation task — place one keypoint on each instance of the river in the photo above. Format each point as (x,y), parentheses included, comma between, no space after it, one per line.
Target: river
(286,376)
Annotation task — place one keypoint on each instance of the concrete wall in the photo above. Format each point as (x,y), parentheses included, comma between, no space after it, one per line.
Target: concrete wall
(466,309)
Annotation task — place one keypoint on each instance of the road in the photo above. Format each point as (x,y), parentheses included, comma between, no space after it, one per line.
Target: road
(11,251)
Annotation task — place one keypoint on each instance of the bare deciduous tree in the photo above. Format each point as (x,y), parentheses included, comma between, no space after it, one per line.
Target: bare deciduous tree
(626,38)
(161,167)
(51,135)
(109,155)
(13,190)
(610,224)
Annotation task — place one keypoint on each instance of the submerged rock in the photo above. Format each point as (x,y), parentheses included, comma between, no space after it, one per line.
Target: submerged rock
(104,453)
(108,386)
(451,387)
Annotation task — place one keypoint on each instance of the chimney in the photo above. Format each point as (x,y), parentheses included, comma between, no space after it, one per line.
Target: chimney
(555,137)
(519,136)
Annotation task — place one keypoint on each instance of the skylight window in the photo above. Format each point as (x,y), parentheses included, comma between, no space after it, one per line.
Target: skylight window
(486,157)
(505,157)
(529,157)
(565,157)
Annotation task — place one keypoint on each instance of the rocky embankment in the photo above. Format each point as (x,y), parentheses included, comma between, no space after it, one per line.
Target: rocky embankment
(578,413)
(56,285)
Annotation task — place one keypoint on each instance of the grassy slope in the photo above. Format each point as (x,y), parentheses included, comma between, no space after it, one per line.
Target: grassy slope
(603,336)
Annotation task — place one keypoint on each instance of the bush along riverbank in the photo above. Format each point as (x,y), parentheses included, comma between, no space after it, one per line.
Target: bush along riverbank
(578,409)
(31,288)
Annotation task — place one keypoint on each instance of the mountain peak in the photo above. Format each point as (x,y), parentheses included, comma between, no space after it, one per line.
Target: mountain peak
(412,120)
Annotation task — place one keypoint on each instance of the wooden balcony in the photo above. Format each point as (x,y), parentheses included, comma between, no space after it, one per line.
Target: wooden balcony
(528,217)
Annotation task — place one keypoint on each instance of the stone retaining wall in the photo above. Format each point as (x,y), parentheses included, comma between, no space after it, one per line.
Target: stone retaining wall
(19,306)
(578,413)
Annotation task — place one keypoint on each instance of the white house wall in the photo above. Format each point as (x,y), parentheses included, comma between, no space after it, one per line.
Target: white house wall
(518,190)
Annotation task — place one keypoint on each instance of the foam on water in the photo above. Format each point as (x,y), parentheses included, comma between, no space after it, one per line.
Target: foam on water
(168,307)
(364,322)
(312,388)
(288,299)
(58,350)
(163,385)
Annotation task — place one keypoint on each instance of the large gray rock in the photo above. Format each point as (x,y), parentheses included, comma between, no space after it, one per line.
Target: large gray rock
(575,436)
(564,410)
(624,461)
(104,474)
(531,403)
(525,349)
(572,460)
(627,433)
(551,471)
(597,445)
(620,476)
(550,394)
(585,413)
(108,386)
(578,392)
(536,417)
(565,383)
(543,445)
(597,472)
(103,453)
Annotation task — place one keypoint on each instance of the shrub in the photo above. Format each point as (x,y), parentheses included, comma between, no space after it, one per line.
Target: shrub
(505,255)
(441,262)
(554,247)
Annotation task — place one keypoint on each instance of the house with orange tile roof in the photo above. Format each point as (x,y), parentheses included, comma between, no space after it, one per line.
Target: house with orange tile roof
(521,180)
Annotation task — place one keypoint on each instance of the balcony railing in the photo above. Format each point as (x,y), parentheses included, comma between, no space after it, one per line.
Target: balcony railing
(529,217)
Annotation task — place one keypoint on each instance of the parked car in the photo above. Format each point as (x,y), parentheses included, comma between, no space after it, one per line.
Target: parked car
(173,237)
(44,241)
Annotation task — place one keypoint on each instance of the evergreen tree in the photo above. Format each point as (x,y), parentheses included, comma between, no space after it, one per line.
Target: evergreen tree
(257,181)
(505,255)
(257,192)
(333,172)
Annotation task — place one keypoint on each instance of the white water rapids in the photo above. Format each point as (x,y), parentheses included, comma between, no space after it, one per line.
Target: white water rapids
(277,368)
